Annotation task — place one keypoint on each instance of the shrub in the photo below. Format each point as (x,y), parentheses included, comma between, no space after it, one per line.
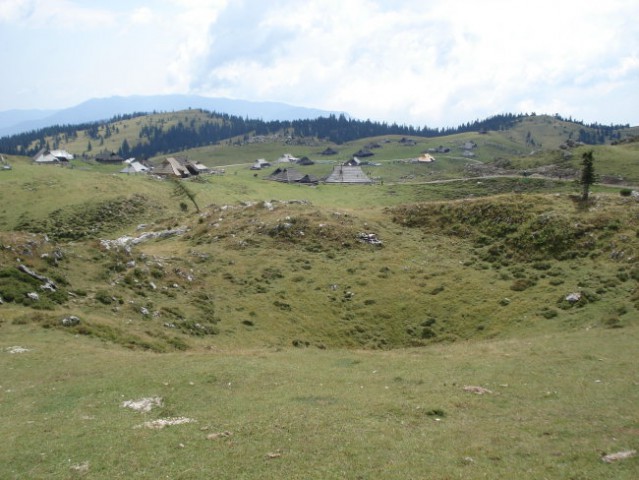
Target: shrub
(436,412)
(625,192)
(104,297)
(549,313)
(521,284)
(282,305)
(428,332)
(612,322)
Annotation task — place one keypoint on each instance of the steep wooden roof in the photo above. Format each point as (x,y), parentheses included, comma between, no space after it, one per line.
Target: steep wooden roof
(348,174)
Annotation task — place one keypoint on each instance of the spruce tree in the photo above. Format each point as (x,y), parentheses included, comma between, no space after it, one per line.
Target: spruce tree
(587,174)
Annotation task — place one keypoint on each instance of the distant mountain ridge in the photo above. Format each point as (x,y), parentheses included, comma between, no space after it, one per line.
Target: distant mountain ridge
(18,121)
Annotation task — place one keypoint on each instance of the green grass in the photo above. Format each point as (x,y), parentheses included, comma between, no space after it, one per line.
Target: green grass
(269,319)
(558,402)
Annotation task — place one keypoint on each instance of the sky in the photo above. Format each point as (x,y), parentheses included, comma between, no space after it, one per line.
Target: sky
(434,63)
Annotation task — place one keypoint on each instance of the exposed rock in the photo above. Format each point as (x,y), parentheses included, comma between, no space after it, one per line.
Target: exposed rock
(614,457)
(17,349)
(127,241)
(370,238)
(48,283)
(573,297)
(165,422)
(33,296)
(80,468)
(70,321)
(142,405)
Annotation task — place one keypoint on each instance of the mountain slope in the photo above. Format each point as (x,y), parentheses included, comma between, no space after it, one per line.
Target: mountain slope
(104,108)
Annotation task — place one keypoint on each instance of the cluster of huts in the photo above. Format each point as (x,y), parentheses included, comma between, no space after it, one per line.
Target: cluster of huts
(349,172)
(341,173)
(285,171)
(176,166)
(182,167)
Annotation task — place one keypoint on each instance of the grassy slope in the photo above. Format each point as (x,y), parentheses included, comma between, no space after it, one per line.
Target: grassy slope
(558,403)
(261,275)
(260,287)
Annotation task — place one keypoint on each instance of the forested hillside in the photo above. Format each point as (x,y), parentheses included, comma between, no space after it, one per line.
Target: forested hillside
(146,135)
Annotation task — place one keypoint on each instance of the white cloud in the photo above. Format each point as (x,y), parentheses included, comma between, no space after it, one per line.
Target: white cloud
(142,15)
(191,29)
(53,14)
(418,61)
(435,62)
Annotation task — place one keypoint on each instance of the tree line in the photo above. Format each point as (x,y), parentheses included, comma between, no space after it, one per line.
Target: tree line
(154,139)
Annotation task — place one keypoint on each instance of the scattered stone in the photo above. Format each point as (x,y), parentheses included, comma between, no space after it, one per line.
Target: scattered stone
(17,349)
(272,455)
(145,311)
(70,321)
(218,435)
(47,283)
(143,405)
(33,296)
(165,422)
(573,297)
(127,241)
(476,390)
(370,238)
(614,457)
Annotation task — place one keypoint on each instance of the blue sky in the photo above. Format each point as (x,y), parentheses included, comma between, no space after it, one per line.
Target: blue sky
(421,62)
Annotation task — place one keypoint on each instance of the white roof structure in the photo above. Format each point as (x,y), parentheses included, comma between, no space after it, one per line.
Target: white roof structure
(259,164)
(62,154)
(425,158)
(52,156)
(287,158)
(134,167)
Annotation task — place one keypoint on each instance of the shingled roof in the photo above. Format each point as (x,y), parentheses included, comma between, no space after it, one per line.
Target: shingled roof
(347,174)
(290,175)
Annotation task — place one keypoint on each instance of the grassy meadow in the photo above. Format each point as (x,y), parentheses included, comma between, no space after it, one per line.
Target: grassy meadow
(491,334)
(555,405)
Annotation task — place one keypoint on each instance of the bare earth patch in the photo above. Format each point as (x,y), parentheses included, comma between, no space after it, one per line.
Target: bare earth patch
(80,468)
(217,435)
(476,390)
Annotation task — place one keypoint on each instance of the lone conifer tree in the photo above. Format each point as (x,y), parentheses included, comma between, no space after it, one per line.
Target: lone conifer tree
(587,174)
(182,191)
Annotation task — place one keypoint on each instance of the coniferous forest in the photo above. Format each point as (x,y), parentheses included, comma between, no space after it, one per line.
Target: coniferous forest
(155,139)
